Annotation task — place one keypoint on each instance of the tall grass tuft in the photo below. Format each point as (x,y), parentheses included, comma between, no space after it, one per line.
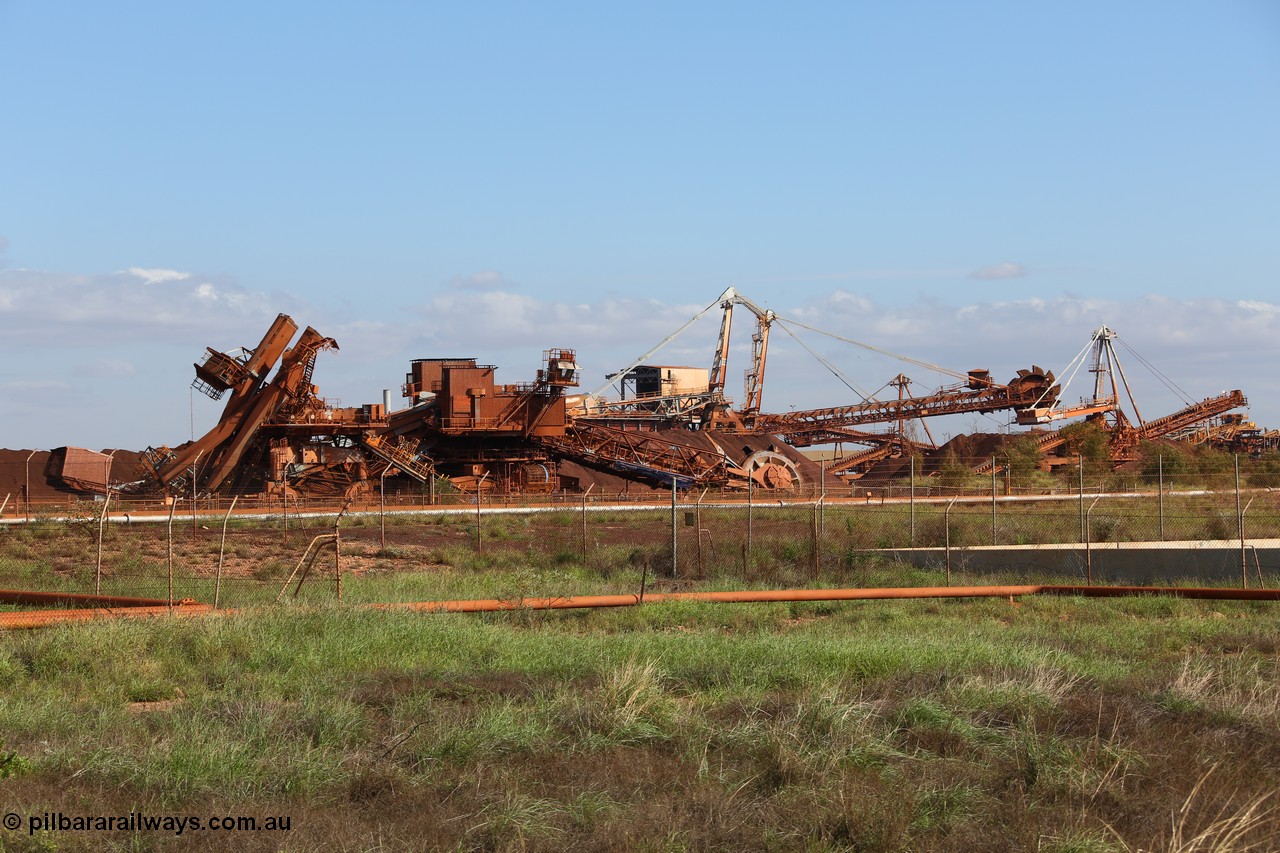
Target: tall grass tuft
(1233,827)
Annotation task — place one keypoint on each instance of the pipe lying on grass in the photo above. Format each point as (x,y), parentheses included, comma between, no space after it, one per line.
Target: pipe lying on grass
(45,618)
(41,618)
(767,595)
(32,596)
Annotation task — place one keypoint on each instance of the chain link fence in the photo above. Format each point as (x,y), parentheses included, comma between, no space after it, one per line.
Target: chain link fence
(1081,525)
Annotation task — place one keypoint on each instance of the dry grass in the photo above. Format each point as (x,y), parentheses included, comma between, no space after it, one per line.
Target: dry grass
(1221,823)
(1246,690)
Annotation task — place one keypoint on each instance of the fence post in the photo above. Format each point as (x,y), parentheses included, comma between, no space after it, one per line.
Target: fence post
(993,500)
(584,522)
(1160,487)
(746,557)
(674,566)
(822,503)
(173,505)
(1082,521)
(217,576)
(1088,543)
(1244,565)
(195,475)
(913,500)
(817,537)
(284,503)
(26,487)
(382,508)
(102,519)
(1244,568)
(697,530)
(337,548)
(946,527)
(479,523)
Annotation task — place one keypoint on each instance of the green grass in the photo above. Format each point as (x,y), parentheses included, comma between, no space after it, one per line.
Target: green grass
(1058,724)
(1061,724)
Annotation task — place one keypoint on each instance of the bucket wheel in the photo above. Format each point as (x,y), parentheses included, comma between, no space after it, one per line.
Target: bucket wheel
(1037,381)
(770,470)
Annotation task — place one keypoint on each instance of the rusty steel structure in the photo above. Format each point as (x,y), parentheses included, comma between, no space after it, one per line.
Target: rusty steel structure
(979,394)
(79,469)
(277,435)
(1233,432)
(673,427)
(1124,436)
(275,432)
(482,435)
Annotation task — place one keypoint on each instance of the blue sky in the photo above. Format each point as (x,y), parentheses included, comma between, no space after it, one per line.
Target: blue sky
(975,184)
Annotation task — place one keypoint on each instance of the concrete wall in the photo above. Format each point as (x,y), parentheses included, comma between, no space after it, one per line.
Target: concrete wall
(1139,563)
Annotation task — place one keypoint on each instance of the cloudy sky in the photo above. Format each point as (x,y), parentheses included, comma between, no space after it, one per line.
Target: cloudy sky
(973,185)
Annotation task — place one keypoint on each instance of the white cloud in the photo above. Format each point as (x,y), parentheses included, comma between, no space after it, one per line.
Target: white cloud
(1204,345)
(155,276)
(502,319)
(103,310)
(1258,307)
(1008,269)
(109,368)
(482,280)
(796,277)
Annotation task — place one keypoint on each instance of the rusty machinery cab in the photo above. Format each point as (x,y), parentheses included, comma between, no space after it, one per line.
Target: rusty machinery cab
(220,372)
(561,369)
(478,429)
(467,399)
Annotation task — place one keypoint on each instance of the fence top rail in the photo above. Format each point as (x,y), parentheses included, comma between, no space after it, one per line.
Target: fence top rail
(142,512)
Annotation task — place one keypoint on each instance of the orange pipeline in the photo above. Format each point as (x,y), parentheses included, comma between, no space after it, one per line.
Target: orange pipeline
(45,618)
(767,595)
(41,618)
(31,596)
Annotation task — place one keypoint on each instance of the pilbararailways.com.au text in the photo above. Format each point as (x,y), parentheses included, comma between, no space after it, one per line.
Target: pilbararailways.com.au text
(135,822)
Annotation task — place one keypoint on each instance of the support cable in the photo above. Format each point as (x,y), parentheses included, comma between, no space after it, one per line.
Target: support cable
(1165,380)
(835,371)
(1074,366)
(928,366)
(729,293)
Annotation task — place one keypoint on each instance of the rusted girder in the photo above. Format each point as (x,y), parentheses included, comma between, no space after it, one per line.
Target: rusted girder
(815,426)
(890,445)
(1193,414)
(640,453)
